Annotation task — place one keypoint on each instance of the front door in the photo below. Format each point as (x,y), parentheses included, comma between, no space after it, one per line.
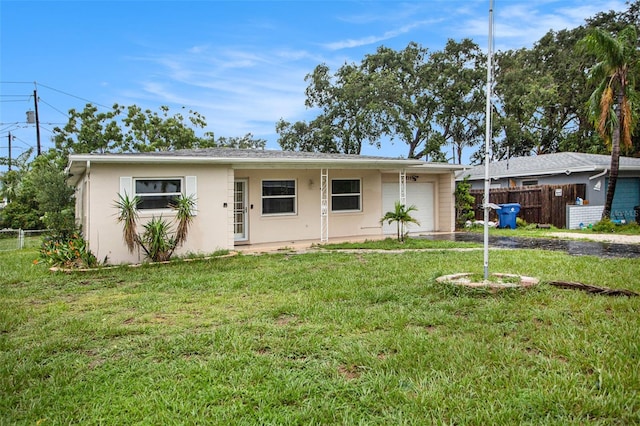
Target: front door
(240,210)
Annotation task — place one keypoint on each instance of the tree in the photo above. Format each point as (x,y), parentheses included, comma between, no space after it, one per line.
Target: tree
(349,114)
(404,84)
(129,129)
(245,142)
(148,131)
(430,100)
(38,196)
(541,93)
(89,131)
(464,202)
(611,103)
(401,215)
(460,76)
(315,136)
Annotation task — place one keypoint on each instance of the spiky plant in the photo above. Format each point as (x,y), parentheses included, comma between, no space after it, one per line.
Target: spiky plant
(157,240)
(185,209)
(128,216)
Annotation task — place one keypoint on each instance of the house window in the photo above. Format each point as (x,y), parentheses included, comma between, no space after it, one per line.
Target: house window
(157,194)
(278,197)
(529,182)
(345,195)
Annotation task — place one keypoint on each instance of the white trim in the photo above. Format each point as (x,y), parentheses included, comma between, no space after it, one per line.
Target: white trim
(324,205)
(126,186)
(191,190)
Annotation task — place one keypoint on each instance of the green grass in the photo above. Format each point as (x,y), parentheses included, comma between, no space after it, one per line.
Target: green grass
(320,338)
(394,244)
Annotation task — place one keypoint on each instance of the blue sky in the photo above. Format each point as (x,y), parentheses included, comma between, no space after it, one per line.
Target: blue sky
(239,63)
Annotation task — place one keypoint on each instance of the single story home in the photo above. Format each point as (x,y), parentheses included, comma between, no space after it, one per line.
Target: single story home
(258,196)
(568,168)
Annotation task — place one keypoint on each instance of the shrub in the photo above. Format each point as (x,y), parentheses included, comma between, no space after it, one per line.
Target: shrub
(66,252)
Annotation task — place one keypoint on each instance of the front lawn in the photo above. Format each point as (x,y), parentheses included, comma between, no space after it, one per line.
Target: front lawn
(319,338)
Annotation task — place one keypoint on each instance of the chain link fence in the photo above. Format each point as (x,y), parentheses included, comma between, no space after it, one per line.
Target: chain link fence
(17,239)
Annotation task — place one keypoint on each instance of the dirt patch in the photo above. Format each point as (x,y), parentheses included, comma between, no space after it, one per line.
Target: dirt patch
(608,238)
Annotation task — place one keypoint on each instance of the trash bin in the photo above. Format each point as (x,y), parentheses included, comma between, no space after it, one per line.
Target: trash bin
(636,209)
(507,215)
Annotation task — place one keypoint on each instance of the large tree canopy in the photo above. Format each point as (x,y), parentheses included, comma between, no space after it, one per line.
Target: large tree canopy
(424,100)
(132,129)
(432,101)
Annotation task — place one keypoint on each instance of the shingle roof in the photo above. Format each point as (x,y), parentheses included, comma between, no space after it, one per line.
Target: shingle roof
(234,153)
(253,158)
(549,164)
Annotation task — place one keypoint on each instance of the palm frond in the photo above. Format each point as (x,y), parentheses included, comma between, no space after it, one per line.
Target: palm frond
(626,120)
(606,102)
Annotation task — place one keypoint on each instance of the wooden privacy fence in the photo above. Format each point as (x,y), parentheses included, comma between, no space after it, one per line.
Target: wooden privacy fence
(544,204)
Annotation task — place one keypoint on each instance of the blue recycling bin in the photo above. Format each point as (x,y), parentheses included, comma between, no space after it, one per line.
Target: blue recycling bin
(507,215)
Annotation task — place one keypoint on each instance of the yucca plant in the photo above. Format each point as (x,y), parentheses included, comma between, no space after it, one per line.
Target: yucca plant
(128,216)
(401,216)
(158,240)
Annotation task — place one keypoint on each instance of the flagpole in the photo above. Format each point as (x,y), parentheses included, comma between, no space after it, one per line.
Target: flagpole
(487,143)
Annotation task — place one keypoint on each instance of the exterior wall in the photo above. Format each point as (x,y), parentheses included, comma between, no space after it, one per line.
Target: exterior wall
(305,224)
(213,229)
(585,215)
(627,196)
(213,190)
(445,218)
(444,184)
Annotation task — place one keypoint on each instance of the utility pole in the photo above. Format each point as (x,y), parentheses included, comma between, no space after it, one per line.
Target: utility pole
(10,137)
(35,100)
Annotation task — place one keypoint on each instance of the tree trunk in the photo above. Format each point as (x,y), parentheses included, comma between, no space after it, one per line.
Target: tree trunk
(615,159)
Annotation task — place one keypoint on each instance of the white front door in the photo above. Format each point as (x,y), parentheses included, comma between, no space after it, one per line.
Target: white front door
(240,210)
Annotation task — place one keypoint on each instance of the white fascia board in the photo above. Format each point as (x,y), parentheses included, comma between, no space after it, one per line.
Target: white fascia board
(533,173)
(245,163)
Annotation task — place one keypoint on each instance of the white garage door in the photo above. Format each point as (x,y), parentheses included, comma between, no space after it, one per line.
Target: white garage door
(419,194)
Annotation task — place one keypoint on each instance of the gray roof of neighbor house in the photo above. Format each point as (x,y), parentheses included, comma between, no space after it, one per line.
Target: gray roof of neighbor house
(256,159)
(548,164)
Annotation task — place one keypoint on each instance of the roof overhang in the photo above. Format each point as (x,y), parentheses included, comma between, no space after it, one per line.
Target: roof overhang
(568,171)
(78,163)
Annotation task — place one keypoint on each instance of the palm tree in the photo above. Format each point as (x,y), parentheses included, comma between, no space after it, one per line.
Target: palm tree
(611,103)
(401,216)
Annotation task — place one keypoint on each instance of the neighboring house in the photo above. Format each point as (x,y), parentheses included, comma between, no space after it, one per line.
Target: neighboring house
(258,196)
(568,168)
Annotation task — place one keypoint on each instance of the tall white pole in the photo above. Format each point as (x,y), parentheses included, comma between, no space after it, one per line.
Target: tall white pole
(487,143)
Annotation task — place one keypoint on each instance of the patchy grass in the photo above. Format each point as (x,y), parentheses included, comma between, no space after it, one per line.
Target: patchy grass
(320,338)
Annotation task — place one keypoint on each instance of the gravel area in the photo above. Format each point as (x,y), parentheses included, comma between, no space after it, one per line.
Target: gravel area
(609,238)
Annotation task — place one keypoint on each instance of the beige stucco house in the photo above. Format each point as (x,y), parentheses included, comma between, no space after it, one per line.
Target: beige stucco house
(258,196)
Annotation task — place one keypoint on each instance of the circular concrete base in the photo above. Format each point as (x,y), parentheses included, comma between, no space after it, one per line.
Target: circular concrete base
(495,282)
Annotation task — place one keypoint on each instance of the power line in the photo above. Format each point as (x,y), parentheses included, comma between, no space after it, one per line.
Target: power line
(73,96)
(47,103)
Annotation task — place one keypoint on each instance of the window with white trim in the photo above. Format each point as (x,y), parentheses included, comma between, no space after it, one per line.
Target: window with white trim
(346,195)
(278,197)
(157,194)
